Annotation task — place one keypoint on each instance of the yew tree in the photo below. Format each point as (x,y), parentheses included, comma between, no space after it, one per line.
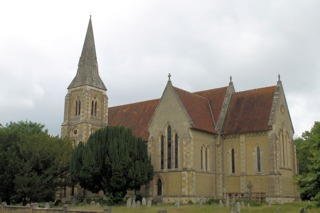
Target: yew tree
(113,160)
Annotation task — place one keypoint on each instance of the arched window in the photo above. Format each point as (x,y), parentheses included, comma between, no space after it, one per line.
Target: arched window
(78,107)
(206,159)
(169,141)
(201,158)
(94,107)
(162,152)
(258,159)
(176,151)
(159,187)
(233,166)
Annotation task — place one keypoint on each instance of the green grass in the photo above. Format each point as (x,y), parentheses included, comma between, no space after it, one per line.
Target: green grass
(285,208)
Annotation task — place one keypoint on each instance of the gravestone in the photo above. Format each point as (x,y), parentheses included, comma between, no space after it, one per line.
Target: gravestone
(162,211)
(35,205)
(238,207)
(4,203)
(144,202)
(92,203)
(242,204)
(149,202)
(227,201)
(85,201)
(134,205)
(232,208)
(177,205)
(220,203)
(47,206)
(107,209)
(303,210)
(278,210)
(201,202)
(28,205)
(138,203)
(129,202)
(269,202)
(66,207)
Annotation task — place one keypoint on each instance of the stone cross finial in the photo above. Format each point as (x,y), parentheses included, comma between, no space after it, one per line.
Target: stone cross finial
(279,77)
(169,76)
(230,79)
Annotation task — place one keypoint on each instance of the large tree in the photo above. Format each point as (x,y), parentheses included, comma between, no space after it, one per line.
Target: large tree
(113,160)
(33,163)
(308,152)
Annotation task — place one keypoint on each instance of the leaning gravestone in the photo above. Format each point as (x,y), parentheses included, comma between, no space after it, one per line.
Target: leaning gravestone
(129,202)
(143,202)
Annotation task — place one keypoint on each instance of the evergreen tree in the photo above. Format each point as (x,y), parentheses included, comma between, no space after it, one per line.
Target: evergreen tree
(308,152)
(113,160)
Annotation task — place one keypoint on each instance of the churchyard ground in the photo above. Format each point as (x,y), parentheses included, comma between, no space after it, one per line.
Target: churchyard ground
(284,208)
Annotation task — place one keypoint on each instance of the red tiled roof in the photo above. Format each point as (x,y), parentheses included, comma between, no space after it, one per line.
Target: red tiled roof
(216,97)
(135,116)
(249,111)
(198,110)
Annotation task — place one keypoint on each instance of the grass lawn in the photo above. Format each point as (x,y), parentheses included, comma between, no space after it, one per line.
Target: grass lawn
(288,208)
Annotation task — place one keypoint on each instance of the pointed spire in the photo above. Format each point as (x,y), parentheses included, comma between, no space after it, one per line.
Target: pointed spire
(88,73)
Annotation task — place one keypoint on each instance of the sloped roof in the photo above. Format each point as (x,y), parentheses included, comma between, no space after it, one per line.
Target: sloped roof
(88,73)
(249,111)
(135,116)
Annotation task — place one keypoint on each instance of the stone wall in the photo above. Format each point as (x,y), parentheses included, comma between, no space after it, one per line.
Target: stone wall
(31,209)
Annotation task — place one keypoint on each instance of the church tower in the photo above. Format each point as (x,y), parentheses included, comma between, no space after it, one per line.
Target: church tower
(86,104)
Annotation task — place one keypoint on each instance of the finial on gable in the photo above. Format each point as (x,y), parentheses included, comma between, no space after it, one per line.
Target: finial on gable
(279,77)
(230,79)
(169,77)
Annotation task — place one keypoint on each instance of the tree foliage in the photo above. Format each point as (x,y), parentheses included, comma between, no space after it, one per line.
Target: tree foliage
(113,160)
(34,164)
(308,153)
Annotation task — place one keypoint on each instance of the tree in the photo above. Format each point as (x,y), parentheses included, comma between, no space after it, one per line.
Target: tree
(113,160)
(34,164)
(308,152)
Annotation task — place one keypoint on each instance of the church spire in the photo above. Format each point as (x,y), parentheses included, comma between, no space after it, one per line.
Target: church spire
(88,73)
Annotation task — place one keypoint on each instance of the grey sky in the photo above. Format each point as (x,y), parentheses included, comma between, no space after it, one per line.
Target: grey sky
(201,43)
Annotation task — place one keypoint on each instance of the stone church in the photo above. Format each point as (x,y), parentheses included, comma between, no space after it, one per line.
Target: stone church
(211,143)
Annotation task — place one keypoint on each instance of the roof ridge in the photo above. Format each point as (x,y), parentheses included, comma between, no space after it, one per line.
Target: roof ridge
(139,102)
(191,93)
(207,90)
(256,89)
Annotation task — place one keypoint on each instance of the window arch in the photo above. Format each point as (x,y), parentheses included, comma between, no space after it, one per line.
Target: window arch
(233,166)
(78,106)
(176,151)
(169,144)
(162,152)
(258,158)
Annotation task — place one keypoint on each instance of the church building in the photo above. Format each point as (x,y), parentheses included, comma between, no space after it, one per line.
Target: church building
(212,143)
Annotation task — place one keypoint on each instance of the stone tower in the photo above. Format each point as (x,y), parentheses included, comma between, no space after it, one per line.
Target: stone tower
(86,104)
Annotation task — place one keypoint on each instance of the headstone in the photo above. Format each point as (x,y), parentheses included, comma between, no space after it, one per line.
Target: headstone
(238,207)
(269,202)
(107,210)
(144,201)
(134,205)
(66,207)
(85,201)
(227,201)
(303,210)
(162,211)
(249,205)
(177,205)
(278,210)
(129,202)
(138,203)
(4,204)
(28,205)
(149,202)
(232,208)
(242,204)
(47,206)
(98,204)
(201,202)
(35,205)
(92,203)
(220,203)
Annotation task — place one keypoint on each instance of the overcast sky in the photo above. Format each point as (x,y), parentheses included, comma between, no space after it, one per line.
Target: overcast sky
(201,43)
